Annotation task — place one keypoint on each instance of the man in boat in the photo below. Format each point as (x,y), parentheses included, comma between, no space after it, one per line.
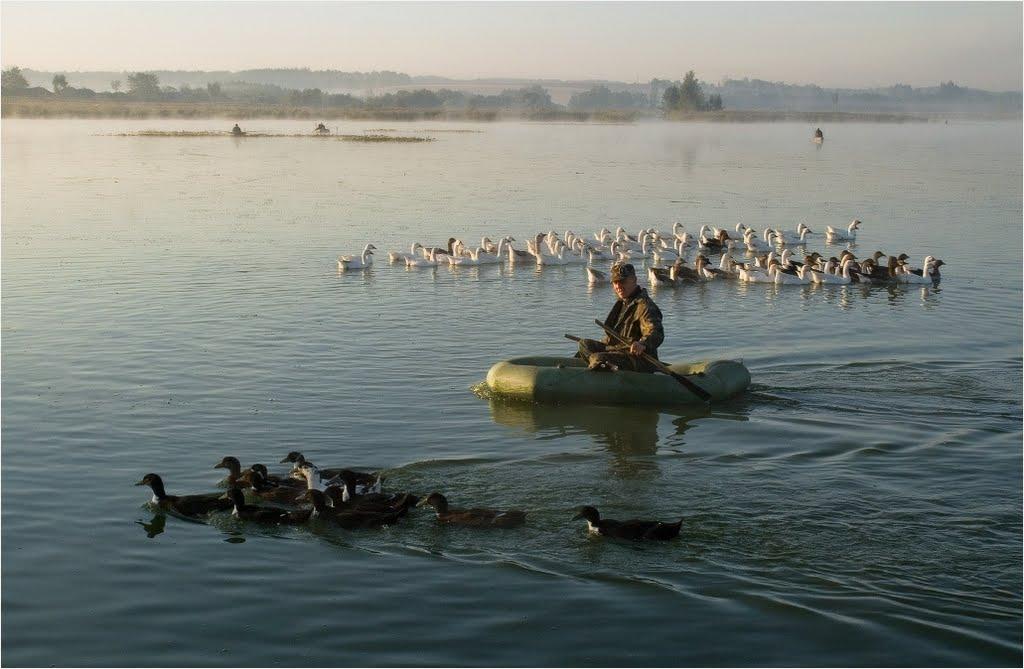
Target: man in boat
(818,134)
(636,318)
(321,129)
(236,130)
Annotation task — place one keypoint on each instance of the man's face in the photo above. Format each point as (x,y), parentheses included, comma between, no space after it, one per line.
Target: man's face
(625,287)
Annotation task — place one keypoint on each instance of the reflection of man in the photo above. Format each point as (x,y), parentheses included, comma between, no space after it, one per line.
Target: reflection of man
(637,318)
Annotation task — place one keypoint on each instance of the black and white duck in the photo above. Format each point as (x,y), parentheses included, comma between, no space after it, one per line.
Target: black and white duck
(346,495)
(634,530)
(185,505)
(364,482)
(472,517)
(264,514)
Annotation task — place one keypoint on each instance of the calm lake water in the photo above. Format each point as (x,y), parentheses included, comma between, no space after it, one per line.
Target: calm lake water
(170,301)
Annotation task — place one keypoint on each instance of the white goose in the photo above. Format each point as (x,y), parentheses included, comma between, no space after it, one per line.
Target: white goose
(728,267)
(559,258)
(755,272)
(470,260)
(663,253)
(787,279)
(363,261)
(492,258)
(800,237)
(625,254)
(752,274)
(578,254)
(906,275)
(832,235)
(685,240)
(828,277)
(430,261)
(754,244)
(398,256)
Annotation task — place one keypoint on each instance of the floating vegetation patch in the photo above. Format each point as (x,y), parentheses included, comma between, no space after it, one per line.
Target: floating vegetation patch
(248,135)
(383,138)
(178,133)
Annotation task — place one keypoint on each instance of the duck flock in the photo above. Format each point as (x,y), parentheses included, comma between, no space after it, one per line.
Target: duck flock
(354,500)
(771,256)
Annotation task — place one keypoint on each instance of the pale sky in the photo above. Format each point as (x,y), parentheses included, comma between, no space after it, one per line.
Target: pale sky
(975,44)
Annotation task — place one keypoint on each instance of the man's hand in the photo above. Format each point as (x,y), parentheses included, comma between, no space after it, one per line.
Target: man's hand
(636,348)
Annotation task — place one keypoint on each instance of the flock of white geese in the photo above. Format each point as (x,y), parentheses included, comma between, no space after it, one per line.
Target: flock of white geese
(771,256)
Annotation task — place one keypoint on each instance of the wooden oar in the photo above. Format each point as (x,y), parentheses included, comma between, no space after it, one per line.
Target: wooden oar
(658,364)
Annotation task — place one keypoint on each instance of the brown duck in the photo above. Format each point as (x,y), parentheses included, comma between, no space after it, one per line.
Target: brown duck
(472,517)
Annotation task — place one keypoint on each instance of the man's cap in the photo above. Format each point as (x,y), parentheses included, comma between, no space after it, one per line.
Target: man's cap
(622,271)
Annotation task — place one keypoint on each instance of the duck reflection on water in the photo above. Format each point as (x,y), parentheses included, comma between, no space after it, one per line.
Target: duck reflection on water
(630,434)
(155,526)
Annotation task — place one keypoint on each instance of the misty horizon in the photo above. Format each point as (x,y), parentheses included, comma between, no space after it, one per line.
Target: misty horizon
(440,78)
(832,45)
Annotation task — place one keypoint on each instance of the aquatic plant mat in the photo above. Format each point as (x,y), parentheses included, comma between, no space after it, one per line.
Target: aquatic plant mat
(249,135)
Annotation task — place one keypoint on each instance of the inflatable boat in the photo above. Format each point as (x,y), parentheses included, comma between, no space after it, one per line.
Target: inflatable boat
(568,381)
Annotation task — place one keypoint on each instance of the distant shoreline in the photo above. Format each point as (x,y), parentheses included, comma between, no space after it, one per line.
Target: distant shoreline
(29,107)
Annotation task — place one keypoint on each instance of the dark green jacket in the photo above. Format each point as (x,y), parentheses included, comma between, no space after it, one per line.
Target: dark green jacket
(637,318)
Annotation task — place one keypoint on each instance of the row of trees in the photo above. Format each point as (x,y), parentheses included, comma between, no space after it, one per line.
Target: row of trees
(145,86)
(689,96)
(602,97)
(141,86)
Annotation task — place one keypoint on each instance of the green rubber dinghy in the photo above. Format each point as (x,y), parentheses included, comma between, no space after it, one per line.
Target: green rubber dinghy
(568,381)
